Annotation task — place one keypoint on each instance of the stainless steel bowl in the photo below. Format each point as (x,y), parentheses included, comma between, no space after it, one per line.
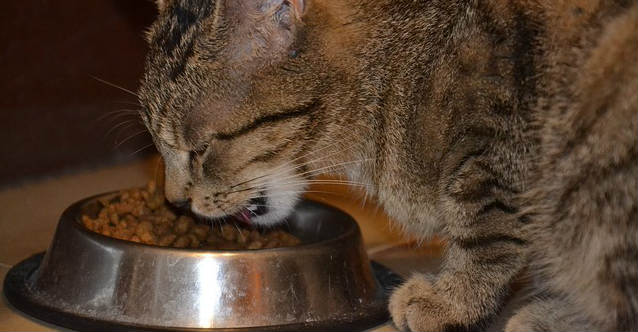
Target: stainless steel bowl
(325,283)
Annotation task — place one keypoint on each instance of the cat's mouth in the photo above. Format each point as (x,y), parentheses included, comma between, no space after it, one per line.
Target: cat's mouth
(256,207)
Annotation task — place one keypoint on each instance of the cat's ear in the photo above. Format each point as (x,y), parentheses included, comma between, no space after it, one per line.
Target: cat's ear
(288,12)
(262,29)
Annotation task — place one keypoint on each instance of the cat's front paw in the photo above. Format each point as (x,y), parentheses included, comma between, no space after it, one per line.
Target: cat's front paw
(415,306)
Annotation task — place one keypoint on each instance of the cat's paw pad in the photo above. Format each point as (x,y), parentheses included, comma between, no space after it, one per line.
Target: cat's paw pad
(415,306)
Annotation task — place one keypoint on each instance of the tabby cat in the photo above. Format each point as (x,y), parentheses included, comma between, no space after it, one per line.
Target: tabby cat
(510,127)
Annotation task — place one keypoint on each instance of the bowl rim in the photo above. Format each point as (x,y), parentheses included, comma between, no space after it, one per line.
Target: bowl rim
(72,215)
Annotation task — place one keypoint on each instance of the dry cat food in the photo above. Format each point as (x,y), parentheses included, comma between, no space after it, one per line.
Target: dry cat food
(140,215)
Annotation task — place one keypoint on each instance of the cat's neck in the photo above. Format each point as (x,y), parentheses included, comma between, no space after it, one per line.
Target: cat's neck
(407,54)
(398,40)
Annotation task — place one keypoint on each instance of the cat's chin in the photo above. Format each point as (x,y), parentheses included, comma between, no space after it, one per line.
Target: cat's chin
(281,195)
(279,208)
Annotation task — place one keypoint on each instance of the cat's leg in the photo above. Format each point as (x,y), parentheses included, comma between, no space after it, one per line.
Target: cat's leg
(548,314)
(486,249)
(464,297)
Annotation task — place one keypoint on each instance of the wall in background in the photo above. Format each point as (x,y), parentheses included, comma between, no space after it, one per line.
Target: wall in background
(54,117)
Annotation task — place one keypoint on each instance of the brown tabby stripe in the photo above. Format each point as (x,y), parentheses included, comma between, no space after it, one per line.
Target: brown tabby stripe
(485,241)
(618,271)
(270,154)
(266,156)
(285,115)
(524,51)
(497,205)
(474,132)
(180,66)
(590,178)
(468,157)
(586,129)
(184,15)
(481,190)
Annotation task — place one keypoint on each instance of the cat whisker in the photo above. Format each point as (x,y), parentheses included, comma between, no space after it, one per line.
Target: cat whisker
(242,190)
(117,126)
(285,193)
(129,138)
(140,150)
(290,162)
(137,104)
(305,183)
(269,176)
(121,131)
(271,170)
(237,227)
(314,152)
(321,170)
(338,182)
(114,86)
(117,114)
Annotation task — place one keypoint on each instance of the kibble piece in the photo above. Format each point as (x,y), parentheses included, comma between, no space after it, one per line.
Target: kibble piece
(182,242)
(254,235)
(242,237)
(144,227)
(183,224)
(256,244)
(154,202)
(200,231)
(167,240)
(163,229)
(123,233)
(148,238)
(166,214)
(273,243)
(195,243)
(228,232)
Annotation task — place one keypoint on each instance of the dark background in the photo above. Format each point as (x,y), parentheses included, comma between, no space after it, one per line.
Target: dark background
(54,116)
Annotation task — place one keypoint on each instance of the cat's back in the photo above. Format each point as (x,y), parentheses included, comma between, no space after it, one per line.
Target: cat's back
(584,195)
(590,73)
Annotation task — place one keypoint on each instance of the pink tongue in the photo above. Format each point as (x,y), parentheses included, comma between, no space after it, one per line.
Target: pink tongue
(243,216)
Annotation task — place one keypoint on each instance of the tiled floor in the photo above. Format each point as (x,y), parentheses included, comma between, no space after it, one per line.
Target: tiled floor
(30,211)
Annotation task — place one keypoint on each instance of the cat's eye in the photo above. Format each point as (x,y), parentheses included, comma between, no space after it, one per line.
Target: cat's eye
(293,54)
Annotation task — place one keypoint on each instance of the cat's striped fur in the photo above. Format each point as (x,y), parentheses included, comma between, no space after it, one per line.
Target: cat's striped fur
(508,126)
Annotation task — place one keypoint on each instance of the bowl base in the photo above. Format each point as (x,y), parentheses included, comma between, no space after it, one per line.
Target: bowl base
(21,296)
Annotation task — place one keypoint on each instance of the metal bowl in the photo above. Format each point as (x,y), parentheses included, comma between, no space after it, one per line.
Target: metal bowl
(325,283)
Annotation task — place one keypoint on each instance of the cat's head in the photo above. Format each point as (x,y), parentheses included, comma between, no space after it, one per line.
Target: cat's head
(231,97)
